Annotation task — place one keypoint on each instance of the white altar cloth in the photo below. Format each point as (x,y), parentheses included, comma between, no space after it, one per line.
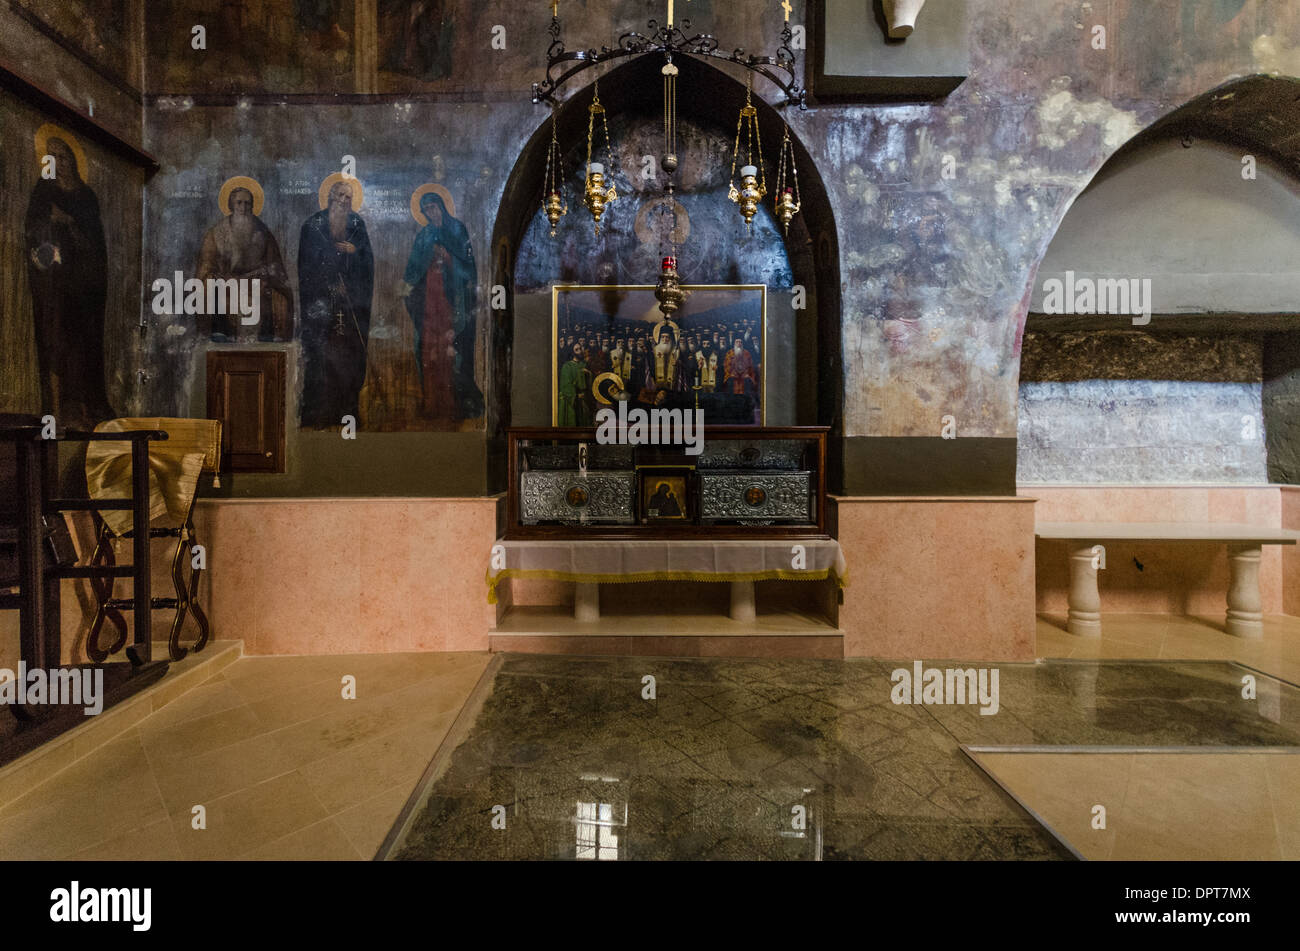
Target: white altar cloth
(611,561)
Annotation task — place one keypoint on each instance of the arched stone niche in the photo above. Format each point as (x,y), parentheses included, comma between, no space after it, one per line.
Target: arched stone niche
(1206,389)
(803,346)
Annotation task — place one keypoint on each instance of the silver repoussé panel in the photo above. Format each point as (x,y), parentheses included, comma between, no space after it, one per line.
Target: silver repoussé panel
(756,496)
(559,496)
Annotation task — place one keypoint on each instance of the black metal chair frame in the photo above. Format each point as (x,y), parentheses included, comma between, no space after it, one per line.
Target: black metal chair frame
(40,620)
(186,601)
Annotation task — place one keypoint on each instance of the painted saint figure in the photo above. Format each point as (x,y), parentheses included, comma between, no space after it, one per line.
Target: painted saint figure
(685,368)
(67,267)
(620,362)
(706,359)
(240,246)
(442,297)
(336,278)
(663,504)
(739,373)
(575,383)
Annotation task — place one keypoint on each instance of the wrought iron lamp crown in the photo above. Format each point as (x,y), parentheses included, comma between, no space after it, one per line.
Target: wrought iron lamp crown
(563,64)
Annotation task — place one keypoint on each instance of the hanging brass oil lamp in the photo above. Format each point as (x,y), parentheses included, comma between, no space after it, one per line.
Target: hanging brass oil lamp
(788,201)
(553,203)
(596,195)
(669,293)
(753,179)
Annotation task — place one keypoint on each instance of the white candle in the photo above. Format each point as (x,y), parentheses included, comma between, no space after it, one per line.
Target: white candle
(749,170)
(597,168)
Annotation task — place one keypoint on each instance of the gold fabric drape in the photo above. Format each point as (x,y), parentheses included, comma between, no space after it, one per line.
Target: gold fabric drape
(193,446)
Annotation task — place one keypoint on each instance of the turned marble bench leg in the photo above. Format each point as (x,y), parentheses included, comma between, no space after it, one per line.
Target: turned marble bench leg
(1085,601)
(586,602)
(1245,606)
(742,600)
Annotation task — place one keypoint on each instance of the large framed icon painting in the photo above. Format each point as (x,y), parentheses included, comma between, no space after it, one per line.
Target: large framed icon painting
(611,344)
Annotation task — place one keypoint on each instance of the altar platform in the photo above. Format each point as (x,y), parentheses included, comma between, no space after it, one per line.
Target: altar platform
(683,597)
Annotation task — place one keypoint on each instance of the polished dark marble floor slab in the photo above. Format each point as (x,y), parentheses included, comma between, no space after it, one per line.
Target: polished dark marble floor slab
(1131,703)
(733,759)
(792,759)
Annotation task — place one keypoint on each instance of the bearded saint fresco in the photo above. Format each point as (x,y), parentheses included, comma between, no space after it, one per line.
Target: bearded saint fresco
(241,246)
(336,281)
(440,286)
(67,268)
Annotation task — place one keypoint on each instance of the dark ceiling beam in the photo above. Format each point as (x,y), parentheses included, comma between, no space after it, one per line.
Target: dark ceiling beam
(76,120)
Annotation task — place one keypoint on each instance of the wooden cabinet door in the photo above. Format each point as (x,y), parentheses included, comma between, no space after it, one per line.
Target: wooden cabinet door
(246,391)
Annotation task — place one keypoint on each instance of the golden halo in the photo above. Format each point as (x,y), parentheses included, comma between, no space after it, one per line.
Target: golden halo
(240,181)
(659,329)
(52,131)
(423,190)
(358,192)
(596,391)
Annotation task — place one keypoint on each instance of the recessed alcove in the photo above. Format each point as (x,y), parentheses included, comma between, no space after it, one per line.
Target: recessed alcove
(713,247)
(1190,393)
(1187,411)
(805,384)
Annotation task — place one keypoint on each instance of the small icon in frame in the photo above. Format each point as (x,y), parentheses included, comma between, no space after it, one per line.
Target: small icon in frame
(665,496)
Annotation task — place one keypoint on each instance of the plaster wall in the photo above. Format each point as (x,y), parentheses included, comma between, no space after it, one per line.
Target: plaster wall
(936,270)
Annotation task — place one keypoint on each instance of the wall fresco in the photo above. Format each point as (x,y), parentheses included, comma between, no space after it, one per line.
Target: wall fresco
(70,247)
(943,210)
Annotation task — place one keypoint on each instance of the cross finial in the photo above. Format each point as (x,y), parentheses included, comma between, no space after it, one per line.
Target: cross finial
(785,5)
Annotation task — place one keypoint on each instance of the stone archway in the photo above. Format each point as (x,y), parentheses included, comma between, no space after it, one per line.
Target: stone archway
(709,98)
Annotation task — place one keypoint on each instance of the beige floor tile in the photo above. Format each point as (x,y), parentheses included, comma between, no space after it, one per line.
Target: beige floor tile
(34,768)
(320,842)
(232,742)
(1097,648)
(1176,637)
(1197,807)
(213,696)
(1141,629)
(1163,806)
(1197,624)
(193,669)
(297,704)
(243,821)
(352,722)
(1184,646)
(393,672)
(110,792)
(153,843)
(367,823)
(218,653)
(1130,636)
(1064,788)
(204,777)
(171,743)
(89,736)
(259,677)
(1283,776)
(398,758)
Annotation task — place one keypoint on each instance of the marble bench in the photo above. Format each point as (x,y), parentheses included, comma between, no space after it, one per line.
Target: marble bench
(1245,543)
